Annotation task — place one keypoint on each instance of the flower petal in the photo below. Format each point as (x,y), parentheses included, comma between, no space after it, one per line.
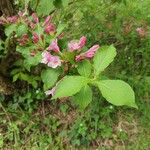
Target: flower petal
(54,46)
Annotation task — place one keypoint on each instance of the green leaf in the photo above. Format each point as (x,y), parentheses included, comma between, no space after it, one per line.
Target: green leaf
(25,51)
(84,97)
(57,3)
(117,92)
(69,86)
(78,15)
(49,78)
(10,29)
(32,61)
(103,58)
(61,3)
(84,68)
(1,47)
(16,77)
(60,28)
(65,3)
(45,7)
(15,71)
(69,57)
(22,29)
(30,79)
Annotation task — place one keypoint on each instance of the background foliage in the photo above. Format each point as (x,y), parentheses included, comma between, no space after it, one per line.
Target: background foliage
(29,122)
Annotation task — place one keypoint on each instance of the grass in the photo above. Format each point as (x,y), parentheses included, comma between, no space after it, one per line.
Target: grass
(57,125)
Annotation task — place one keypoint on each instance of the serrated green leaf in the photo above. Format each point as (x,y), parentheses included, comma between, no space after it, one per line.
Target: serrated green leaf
(10,29)
(29,79)
(69,86)
(117,92)
(45,7)
(32,61)
(61,3)
(25,51)
(84,68)
(15,71)
(65,3)
(103,58)
(16,77)
(84,97)
(69,57)
(60,28)
(49,78)
(78,15)
(21,29)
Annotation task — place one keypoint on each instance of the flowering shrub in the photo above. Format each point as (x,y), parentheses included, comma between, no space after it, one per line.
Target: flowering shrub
(66,71)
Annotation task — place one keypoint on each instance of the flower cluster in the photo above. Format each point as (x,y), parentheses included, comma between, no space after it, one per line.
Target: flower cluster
(73,46)
(52,53)
(8,20)
(50,60)
(41,35)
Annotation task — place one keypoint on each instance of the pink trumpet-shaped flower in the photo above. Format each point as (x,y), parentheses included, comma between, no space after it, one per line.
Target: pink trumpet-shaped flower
(50,28)
(54,46)
(51,92)
(12,19)
(32,25)
(60,36)
(89,54)
(79,58)
(82,41)
(54,62)
(47,21)
(23,40)
(35,18)
(50,60)
(33,53)
(73,45)
(35,38)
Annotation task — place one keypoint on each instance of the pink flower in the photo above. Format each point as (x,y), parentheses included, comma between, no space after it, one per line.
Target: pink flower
(35,18)
(79,58)
(54,62)
(60,36)
(20,13)
(50,60)
(32,25)
(51,92)
(82,41)
(73,45)
(23,40)
(33,53)
(12,19)
(47,21)
(35,38)
(54,46)
(46,57)
(89,54)
(50,28)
